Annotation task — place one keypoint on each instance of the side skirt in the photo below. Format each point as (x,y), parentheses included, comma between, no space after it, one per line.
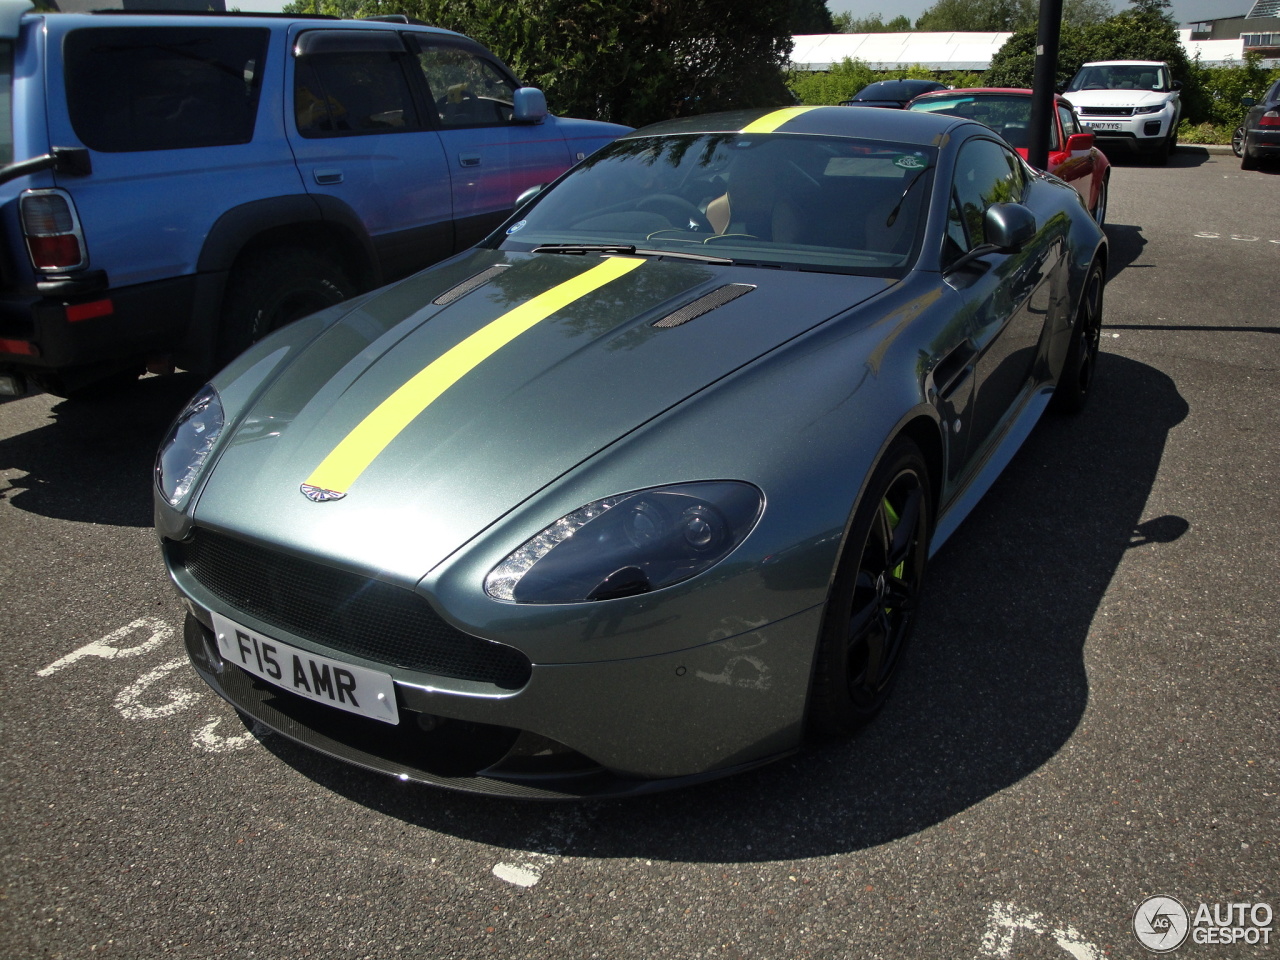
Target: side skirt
(985,474)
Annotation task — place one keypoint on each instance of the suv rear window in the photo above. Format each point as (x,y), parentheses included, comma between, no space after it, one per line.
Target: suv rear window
(164,88)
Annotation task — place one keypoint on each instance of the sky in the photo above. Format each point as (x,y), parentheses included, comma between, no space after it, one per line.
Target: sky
(1185,11)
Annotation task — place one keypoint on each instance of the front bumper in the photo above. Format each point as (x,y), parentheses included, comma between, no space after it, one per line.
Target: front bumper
(608,728)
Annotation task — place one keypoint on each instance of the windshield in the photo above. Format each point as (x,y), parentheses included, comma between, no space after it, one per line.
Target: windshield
(1134,76)
(1009,116)
(817,203)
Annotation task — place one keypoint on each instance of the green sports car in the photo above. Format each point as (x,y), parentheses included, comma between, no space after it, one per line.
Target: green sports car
(640,490)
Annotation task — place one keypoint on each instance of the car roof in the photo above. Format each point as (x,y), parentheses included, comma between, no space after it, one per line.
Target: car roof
(188,18)
(901,126)
(885,89)
(1125,63)
(971,91)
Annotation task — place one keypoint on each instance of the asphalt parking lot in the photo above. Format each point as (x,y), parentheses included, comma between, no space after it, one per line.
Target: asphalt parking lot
(1090,714)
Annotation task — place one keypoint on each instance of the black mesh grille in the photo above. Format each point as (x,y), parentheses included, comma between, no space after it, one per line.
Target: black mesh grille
(345,611)
(705,304)
(1105,111)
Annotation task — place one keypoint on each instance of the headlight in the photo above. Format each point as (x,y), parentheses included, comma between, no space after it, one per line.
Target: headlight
(185,449)
(629,544)
(1155,109)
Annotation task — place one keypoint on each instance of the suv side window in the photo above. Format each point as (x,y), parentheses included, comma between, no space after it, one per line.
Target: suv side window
(986,173)
(352,83)
(163,88)
(468,90)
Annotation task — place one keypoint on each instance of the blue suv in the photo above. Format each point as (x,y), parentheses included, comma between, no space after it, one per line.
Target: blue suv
(180,185)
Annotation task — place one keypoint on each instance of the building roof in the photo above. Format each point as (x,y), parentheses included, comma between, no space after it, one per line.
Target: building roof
(954,51)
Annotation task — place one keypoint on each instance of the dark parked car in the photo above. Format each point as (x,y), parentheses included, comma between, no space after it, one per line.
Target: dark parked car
(894,94)
(1261,140)
(640,490)
(1073,156)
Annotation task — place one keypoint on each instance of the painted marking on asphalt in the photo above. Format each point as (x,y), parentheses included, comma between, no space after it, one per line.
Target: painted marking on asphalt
(148,697)
(1006,920)
(1243,237)
(106,648)
(554,837)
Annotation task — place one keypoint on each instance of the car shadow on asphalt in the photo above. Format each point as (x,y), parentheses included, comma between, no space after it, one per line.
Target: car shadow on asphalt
(993,687)
(92,461)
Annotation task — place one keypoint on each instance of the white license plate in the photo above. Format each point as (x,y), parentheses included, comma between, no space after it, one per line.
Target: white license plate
(358,690)
(1101,125)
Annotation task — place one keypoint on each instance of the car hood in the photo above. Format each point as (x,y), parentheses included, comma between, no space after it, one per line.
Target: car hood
(1117,98)
(501,418)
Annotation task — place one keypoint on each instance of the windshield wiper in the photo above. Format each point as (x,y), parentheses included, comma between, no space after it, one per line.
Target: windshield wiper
(628,249)
(700,257)
(585,248)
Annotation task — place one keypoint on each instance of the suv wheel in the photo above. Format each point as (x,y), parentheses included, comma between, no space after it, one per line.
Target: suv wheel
(274,287)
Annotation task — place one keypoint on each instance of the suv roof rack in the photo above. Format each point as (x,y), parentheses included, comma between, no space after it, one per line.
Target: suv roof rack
(398,18)
(215,14)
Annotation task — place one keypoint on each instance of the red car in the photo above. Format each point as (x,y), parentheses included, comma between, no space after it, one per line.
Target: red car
(1072,154)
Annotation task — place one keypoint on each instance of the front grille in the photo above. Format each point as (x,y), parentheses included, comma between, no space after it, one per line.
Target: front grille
(1105,111)
(344,611)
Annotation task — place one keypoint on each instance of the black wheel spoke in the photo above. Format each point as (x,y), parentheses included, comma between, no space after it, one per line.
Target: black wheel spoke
(904,534)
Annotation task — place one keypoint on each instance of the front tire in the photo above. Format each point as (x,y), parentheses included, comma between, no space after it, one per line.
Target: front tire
(1081,365)
(871,609)
(274,287)
(1100,205)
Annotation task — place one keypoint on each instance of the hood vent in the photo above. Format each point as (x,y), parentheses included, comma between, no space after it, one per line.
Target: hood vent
(705,304)
(466,286)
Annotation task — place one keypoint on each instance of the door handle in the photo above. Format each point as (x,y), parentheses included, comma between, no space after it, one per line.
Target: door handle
(327,177)
(469,159)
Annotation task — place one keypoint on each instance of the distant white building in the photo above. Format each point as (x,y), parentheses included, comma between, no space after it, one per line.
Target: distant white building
(964,51)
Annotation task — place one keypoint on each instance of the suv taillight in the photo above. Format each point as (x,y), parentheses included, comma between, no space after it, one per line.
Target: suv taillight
(52,229)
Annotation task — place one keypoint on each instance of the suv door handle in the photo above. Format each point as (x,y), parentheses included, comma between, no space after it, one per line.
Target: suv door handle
(469,159)
(327,177)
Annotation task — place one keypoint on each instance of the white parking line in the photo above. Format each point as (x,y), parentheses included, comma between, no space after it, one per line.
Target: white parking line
(1006,920)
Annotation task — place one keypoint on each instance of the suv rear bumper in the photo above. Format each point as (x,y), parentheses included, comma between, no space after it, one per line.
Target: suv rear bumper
(83,327)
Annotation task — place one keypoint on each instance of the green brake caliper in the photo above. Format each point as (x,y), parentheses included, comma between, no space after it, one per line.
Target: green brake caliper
(893,525)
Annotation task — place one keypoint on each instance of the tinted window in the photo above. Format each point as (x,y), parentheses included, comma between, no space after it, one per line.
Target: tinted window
(340,94)
(468,90)
(163,88)
(986,173)
(1070,125)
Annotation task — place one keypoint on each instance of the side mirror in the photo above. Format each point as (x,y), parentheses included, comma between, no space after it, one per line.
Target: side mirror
(530,105)
(1177,85)
(1008,226)
(1248,101)
(1079,142)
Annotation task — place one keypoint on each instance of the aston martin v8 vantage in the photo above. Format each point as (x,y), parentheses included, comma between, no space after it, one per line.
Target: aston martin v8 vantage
(642,489)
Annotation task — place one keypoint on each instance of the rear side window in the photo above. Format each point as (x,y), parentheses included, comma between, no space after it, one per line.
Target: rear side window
(164,88)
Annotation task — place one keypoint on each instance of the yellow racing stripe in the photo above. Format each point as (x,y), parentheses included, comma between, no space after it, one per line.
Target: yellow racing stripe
(370,437)
(772,121)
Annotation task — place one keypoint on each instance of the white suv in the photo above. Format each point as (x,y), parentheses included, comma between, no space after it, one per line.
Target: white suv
(1130,105)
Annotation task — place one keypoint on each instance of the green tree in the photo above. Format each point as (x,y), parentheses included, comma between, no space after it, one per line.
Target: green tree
(846,23)
(1014,64)
(810,16)
(629,61)
(828,88)
(1014,15)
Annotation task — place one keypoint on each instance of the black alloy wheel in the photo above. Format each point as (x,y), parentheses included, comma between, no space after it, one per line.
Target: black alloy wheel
(871,610)
(1081,364)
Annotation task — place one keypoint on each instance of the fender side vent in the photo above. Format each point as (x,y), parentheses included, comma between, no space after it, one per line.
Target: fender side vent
(705,304)
(466,286)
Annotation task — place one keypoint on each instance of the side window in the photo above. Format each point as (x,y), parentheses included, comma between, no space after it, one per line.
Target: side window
(1070,123)
(163,88)
(986,173)
(467,89)
(344,93)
